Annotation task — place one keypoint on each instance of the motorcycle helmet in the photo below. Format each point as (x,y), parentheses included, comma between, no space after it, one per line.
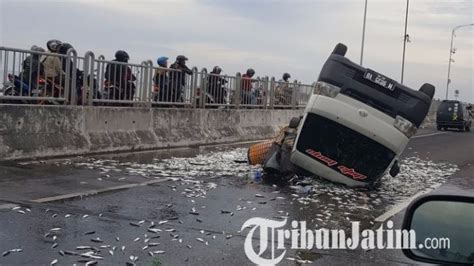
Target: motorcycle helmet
(122,56)
(181,59)
(162,61)
(286,76)
(216,70)
(63,48)
(35,48)
(250,72)
(53,45)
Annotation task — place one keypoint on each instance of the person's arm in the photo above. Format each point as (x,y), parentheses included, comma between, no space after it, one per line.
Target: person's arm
(187,70)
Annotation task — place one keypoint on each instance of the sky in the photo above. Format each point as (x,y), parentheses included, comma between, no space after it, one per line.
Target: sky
(273,37)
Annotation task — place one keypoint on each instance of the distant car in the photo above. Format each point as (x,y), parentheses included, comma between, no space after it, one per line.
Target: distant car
(454,114)
(357,123)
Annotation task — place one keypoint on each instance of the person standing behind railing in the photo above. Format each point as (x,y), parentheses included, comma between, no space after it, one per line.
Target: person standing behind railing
(52,64)
(246,95)
(33,69)
(121,77)
(283,91)
(178,78)
(161,81)
(216,86)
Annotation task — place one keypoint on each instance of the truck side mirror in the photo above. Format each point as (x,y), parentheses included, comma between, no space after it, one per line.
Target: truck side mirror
(443,228)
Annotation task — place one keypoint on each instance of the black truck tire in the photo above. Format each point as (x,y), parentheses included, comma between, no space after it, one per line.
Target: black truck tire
(428,89)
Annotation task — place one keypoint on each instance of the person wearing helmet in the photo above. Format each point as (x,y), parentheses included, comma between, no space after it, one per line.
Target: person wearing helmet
(63,49)
(178,77)
(53,45)
(120,76)
(53,70)
(283,91)
(216,86)
(246,95)
(33,69)
(160,79)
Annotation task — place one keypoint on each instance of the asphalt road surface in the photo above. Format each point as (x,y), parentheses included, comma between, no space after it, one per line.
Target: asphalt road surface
(187,206)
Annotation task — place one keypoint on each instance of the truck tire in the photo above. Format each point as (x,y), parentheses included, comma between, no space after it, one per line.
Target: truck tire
(340,49)
(294,122)
(428,89)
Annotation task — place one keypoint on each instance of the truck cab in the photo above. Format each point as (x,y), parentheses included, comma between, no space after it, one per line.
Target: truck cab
(357,123)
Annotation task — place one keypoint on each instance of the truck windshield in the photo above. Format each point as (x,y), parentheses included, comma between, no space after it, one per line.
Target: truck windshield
(343,149)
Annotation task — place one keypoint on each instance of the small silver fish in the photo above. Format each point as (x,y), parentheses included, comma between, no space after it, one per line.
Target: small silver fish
(55,229)
(54,245)
(61,253)
(111,252)
(92,262)
(259,196)
(85,216)
(200,240)
(16,208)
(20,211)
(54,262)
(54,215)
(154,230)
(83,247)
(159,252)
(150,253)
(136,239)
(162,222)
(67,216)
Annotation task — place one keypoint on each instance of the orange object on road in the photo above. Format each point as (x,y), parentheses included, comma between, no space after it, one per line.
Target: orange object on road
(257,152)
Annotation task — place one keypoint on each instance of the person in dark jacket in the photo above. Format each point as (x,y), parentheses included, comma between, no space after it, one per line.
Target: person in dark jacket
(216,85)
(121,77)
(33,69)
(178,78)
(161,81)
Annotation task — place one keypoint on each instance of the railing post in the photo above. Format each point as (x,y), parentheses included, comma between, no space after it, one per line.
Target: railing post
(70,90)
(294,93)
(272,92)
(204,84)
(144,82)
(238,88)
(89,59)
(265,92)
(148,94)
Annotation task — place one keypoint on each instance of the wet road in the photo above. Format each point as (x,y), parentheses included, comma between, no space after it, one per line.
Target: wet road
(187,206)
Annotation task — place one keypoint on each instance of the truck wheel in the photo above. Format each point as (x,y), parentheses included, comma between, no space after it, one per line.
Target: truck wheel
(294,122)
(462,128)
(428,89)
(438,127)
(340,49)
(468,128)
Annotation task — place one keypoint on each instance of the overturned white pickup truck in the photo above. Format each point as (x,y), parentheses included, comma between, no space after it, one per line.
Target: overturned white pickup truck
(355,125)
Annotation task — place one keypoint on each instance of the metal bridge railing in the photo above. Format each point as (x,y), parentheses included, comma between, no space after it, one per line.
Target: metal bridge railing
(49,78)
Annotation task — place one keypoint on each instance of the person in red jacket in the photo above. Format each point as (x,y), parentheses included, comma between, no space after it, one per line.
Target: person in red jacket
(246,95)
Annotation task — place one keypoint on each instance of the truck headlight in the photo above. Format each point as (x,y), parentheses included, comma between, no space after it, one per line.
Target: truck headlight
(326,89)
(405,126)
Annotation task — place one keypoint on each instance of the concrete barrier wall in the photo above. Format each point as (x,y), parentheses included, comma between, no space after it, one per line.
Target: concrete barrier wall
(46,131)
